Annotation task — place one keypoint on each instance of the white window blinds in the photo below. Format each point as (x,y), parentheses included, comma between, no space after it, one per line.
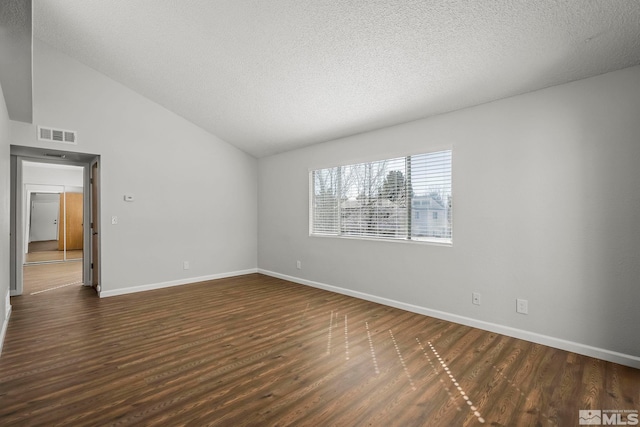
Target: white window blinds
(403,198)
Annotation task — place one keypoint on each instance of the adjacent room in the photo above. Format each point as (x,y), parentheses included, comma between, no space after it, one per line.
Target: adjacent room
(390,213)
(53,223)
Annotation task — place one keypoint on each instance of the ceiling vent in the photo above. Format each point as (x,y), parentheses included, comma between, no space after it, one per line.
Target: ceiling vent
(57,135)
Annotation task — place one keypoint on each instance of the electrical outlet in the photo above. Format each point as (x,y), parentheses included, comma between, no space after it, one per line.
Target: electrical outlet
(114,220)
(298,265)
(522,306)
(475,298)
(185,265)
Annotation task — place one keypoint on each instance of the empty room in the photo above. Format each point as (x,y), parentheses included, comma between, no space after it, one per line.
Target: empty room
(319,213)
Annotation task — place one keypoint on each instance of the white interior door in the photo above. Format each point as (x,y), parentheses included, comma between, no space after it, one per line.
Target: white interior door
(44,221)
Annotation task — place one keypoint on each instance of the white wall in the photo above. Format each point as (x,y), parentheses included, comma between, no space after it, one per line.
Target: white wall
(42,173)
(546,208)
(4,218)
(195,195)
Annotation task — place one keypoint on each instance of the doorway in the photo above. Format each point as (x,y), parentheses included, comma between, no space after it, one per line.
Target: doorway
(53,214)
(44,209)
(54,226)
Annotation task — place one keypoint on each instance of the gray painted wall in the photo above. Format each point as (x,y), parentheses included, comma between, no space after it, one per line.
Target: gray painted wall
(546,208)
(195,195)
(4,215)
(15,58)
(47,174)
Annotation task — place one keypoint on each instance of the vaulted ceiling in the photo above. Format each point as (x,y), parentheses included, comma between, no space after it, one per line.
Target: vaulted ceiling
(15,58)
(272,75)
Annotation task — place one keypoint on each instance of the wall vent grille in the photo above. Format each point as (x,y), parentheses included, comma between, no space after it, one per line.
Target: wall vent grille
(57,135)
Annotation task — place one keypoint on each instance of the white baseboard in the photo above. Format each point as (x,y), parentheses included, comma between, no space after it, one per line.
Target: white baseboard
(187,281)
(3,331)
(587,350)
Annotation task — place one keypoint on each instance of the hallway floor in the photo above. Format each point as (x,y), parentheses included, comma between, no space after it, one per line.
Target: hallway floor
(40,278)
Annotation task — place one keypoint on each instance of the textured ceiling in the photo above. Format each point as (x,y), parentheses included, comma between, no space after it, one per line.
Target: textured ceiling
(15,58)
(270,76)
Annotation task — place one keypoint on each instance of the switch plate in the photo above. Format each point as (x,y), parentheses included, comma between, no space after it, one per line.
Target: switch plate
(475,298)
(522,306)
(114,220)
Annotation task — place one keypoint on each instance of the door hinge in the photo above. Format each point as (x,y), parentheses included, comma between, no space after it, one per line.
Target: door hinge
(91,265)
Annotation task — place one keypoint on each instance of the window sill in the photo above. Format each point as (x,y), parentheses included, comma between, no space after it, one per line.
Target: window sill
(419,241)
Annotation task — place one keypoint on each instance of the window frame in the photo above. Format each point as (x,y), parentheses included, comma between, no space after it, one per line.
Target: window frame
(408,238)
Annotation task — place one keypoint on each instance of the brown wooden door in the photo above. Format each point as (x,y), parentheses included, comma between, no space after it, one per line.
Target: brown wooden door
(70,221)
(95,236)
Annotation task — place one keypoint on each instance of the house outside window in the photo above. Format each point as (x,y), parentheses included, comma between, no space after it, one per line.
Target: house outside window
(405,198)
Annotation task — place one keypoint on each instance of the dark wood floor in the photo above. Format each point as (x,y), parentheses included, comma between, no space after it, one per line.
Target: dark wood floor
(256,350)
(44,245)
(47,250)
(40,278)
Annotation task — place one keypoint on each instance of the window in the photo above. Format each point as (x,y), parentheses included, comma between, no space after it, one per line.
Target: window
(406,198)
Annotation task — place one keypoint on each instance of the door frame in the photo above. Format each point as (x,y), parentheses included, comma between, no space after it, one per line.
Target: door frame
(19,154)
(92,237)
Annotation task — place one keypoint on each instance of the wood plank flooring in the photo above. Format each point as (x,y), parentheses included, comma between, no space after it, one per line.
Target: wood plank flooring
(43,246)
(44,256)
(255,350)
(39,278)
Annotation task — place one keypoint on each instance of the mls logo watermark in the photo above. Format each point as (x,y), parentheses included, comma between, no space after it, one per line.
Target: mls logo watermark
(612,417)
(590,417)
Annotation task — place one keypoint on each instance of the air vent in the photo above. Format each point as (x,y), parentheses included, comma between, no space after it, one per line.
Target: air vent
(57,135)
